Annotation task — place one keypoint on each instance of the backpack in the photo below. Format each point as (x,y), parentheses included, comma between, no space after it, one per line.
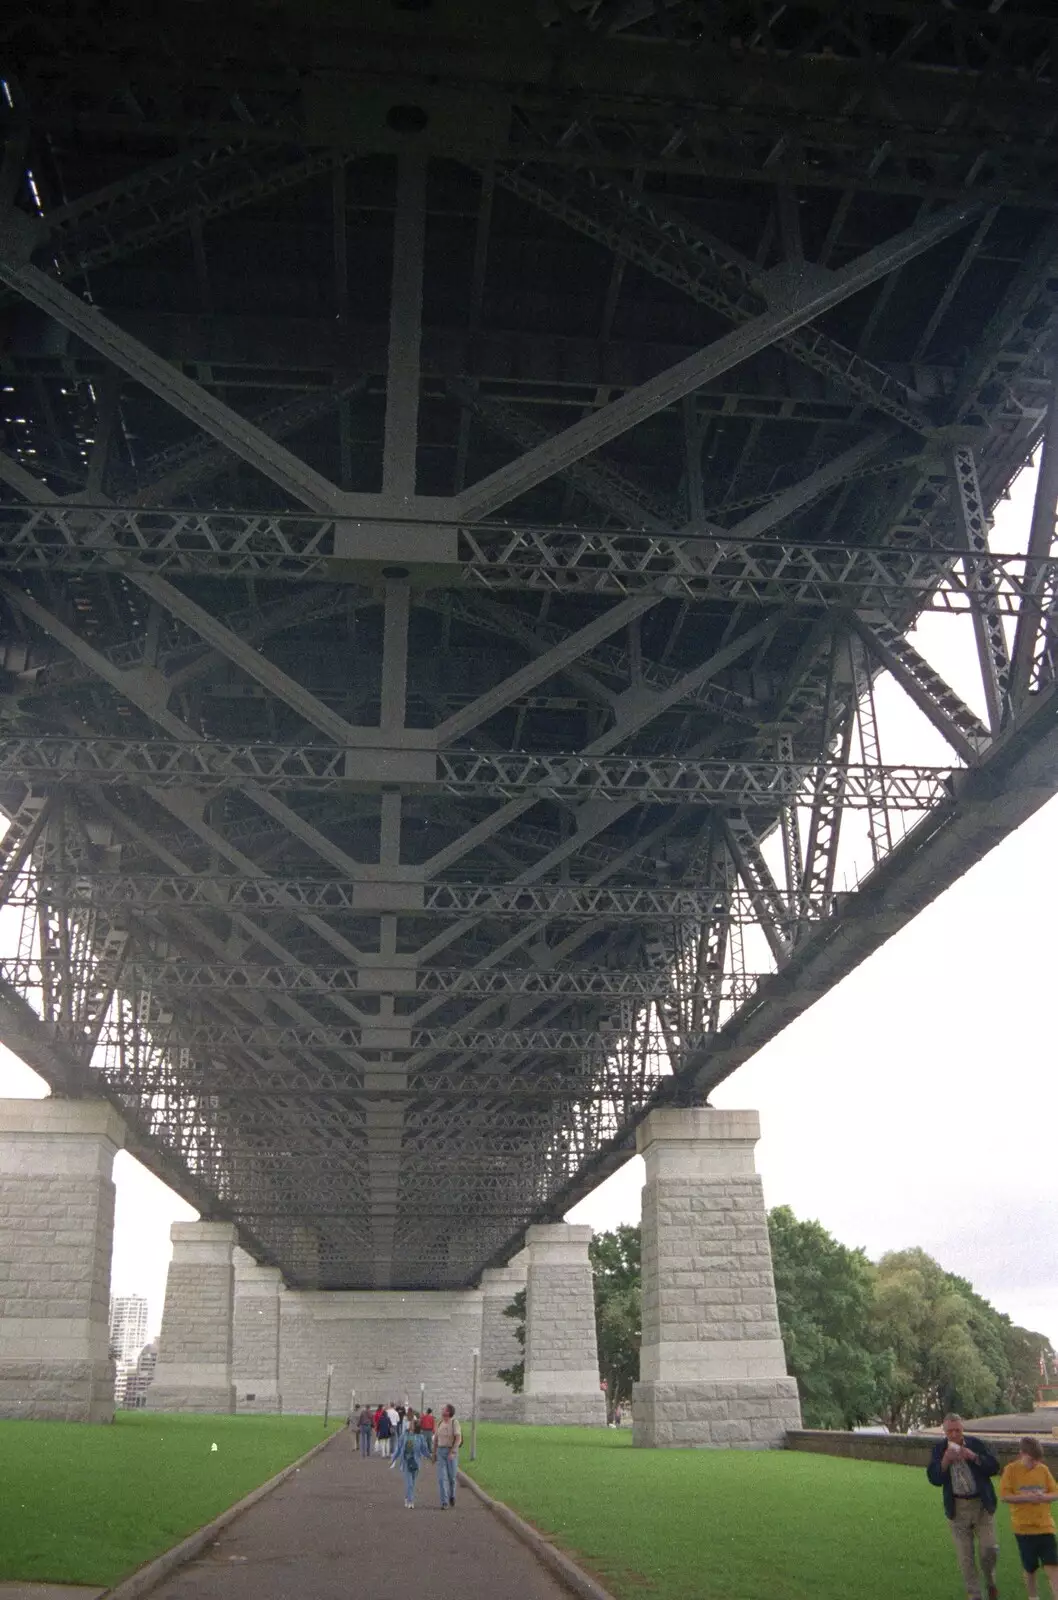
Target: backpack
(411,1455)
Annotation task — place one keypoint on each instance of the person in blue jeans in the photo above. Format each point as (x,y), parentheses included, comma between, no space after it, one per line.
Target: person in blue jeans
(414,1449)
(448,1436)
(363,1428)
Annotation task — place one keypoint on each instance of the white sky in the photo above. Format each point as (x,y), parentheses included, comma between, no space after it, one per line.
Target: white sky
(913,1105)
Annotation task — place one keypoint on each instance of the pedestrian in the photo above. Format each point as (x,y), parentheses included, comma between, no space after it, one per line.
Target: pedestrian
(448,1436)
(394,1420)
(404,1427)
(427,1421)
(384,1433)
(1028,1488)
(963,1468)
(414,1450)
(363,1428)
(375,1420)
(617,1415)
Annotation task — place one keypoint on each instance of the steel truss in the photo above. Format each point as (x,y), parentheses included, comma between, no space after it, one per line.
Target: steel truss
(566,901)
(348,820)
(160,764)
(501,556)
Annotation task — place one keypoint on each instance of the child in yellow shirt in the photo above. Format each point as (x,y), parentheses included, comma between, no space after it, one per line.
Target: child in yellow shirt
(1028,1489)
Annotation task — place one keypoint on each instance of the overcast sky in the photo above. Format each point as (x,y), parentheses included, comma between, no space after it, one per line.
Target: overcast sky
(913,1105)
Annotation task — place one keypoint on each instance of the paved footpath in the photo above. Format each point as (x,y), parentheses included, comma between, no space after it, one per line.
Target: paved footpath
(338,1528)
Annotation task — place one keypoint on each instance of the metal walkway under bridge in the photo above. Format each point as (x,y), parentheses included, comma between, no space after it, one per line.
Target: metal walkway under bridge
(467,468)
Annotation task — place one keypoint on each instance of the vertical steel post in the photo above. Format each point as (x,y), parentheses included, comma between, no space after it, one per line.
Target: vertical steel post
(327,1397)
(474,1407)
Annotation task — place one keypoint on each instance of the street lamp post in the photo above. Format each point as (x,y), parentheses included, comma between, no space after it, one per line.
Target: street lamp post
(327,1399)
(474,1408)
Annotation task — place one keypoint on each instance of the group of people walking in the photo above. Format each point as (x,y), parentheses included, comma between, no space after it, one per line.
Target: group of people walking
(963,1467)
(408,1440)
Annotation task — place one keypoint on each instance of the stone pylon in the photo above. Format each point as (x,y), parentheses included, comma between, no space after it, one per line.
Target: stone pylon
(712,1365)
(56,1240)
(255,1335)
(561,1351)
(194,1370)
(497,1402)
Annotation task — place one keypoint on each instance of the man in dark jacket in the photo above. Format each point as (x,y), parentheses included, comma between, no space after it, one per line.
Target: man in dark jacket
(963,1468)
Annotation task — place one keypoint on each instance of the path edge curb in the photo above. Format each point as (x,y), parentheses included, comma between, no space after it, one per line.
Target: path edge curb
(146,1578)
(575,1579)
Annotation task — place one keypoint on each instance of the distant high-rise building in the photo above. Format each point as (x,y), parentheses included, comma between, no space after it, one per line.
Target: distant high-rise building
(128,1327)
(138,1379)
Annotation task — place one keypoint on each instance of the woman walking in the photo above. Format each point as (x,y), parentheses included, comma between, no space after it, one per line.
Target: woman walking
(414,1450)
(363,1428)
(384,1433)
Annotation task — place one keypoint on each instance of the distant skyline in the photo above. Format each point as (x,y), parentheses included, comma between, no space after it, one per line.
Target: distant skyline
(911,1105)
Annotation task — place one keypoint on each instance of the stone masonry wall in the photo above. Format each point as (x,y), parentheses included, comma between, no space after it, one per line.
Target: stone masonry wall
(56,1235)
(561,1352)
(382,1343)
(499,1348)
(707,1271)
(255,1353)
(197,1323)
(194,1370)
(712,1364)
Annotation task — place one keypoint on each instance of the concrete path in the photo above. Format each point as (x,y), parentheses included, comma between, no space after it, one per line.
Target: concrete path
(338,1528)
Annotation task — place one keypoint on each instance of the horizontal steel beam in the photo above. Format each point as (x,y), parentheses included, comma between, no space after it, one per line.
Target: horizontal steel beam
(160,977)
(369,897)
(602,1043)
(264,544)
(170,763)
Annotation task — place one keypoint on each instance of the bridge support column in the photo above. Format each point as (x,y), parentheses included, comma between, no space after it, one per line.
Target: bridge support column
(56,1238)
(499,1346)
(561,1352)
(255,1335)
(194,1351)
(712,1365)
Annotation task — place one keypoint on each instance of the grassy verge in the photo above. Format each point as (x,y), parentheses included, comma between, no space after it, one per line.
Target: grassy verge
(729,1525)
(88,1505)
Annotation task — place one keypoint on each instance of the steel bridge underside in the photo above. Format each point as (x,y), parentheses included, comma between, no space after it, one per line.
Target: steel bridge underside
(465,471)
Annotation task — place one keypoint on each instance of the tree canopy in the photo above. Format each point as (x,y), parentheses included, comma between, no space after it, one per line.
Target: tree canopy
(825,1293)
(900,1341)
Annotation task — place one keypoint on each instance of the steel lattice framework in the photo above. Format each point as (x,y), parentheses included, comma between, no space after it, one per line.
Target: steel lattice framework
(466,475)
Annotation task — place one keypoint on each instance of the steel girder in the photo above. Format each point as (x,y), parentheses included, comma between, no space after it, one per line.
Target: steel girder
(577,93)
(676,780)
(556,559)
(291,1036)
(143,891)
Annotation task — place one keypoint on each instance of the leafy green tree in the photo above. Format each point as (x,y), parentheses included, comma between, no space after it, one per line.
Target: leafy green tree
(928,1324)
(1012,1354)
(825,1293)
(616,1274)
(514,1376)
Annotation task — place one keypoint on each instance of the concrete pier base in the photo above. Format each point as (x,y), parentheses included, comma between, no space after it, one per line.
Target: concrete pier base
(561,1352)
(712,1365)
(56,1238)
(194,1370)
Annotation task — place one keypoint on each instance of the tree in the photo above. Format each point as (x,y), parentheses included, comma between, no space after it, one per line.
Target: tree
(928,1325)
(616,1276)
(514,1376)
(825,1293)
(1012,1354)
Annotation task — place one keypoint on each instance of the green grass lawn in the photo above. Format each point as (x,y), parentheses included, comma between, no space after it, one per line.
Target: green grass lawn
(82,1504)
(727,1524)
